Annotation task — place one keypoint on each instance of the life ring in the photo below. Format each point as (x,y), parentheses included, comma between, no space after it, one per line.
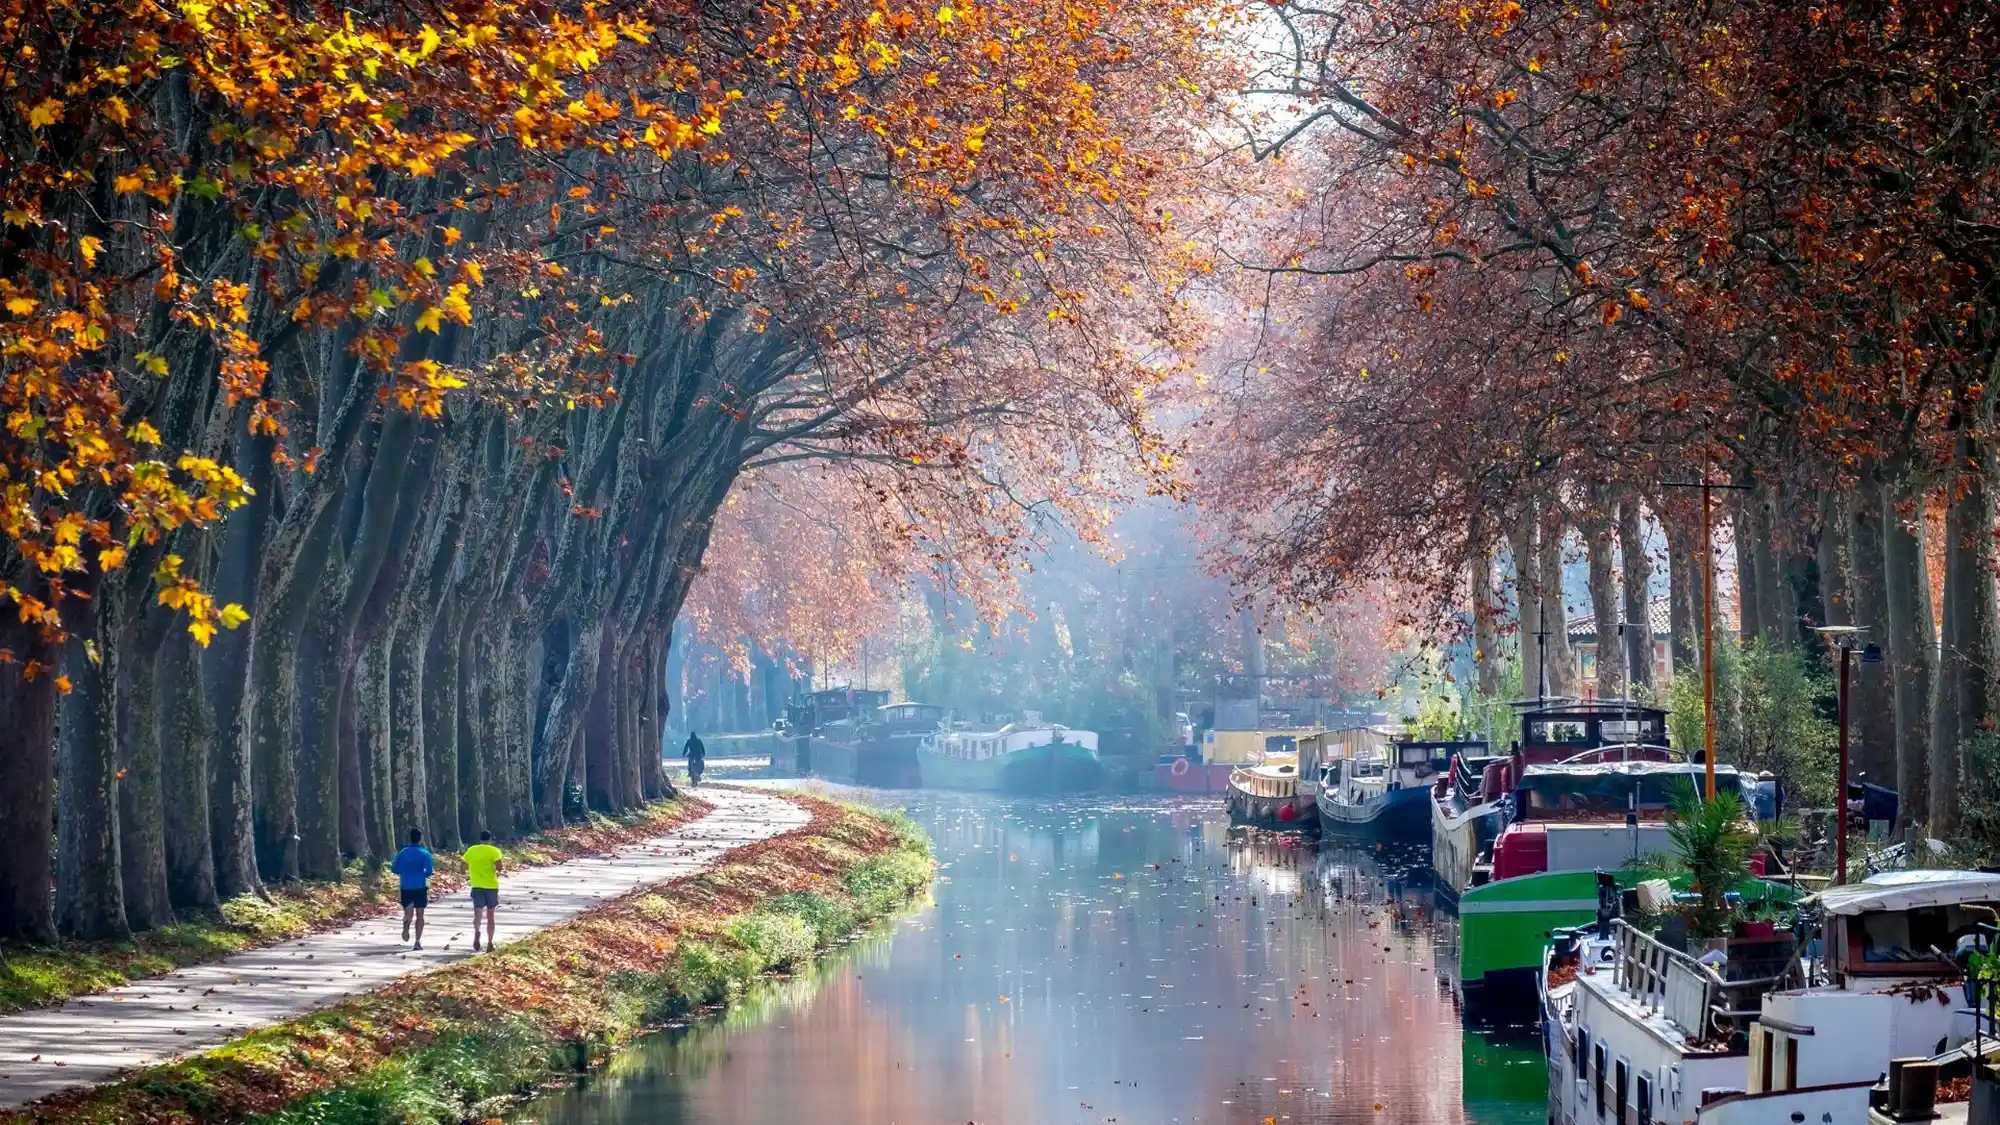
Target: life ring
(1287,813)
(1180,767)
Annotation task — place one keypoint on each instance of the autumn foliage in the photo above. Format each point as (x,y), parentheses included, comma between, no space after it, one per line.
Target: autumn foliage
(406,355)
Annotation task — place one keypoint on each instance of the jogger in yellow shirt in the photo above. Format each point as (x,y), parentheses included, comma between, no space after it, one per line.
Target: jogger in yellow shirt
(482,871)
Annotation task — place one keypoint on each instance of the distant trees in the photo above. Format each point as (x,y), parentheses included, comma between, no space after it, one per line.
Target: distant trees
(1542,260)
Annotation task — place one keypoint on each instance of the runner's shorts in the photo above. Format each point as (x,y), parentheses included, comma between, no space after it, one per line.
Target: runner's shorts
(488,897)
(417,897)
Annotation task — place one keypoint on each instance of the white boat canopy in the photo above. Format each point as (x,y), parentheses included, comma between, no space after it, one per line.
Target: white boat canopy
(1910,890)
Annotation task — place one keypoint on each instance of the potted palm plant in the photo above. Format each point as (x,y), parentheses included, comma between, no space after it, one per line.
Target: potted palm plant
(1714,843)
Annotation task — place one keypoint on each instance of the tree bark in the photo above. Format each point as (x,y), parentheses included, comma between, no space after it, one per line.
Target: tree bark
(1564,675)
(1604,602)
(90,892)
(188,734)
(1637,564)
(1684,595)
(1486,656)
(1522,542)
(1872,706)
(1971,635)
(440,737)
(1749,583)
(409,776)
(142,833)
(27,785)
(1912,649)
(372,740)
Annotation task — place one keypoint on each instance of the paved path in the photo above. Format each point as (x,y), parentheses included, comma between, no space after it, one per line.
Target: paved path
(93,1039)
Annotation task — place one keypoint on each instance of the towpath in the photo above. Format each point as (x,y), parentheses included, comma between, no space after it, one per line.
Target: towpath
(96,1038)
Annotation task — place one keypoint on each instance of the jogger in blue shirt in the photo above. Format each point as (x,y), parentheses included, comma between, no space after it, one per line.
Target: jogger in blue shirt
(413,866)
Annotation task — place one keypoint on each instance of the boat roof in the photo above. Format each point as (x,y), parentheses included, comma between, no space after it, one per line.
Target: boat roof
(1626,769)
(1910,890)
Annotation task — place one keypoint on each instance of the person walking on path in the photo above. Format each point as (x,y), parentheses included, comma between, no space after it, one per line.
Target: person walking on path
(697,756)
(482,871)
(413,866)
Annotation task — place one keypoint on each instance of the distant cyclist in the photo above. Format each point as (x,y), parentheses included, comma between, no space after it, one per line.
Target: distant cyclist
(697,756)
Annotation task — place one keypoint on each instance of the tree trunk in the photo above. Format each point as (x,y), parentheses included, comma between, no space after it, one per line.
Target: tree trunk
(1637,564)
(1564,676)
(1522,543)
(1684,595)
(599,731)
(1971,635)
(1604,601)
(371,743)
(1836,560)
(409,777)
(489,667)
(559,735)
(188,734)
(440,737)
(354,840)
(90,893)
(1871,708)
(27,785)
(1486,657)
(1912,649)
(142,832)
(323,667)
(1749,584)
(227,665)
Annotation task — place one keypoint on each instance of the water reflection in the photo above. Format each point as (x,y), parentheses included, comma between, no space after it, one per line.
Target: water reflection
(1098,961)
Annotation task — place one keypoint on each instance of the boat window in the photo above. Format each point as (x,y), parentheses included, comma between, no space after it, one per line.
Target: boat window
(1280,744)
(1629,730)
(1620,1088)
(1644,1097)
(1557,731)
(1791,1062)
(1602,1056)
(1911,936)
(1582,1061)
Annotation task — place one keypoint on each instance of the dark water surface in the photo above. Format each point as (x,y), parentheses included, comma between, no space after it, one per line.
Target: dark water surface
(1089,961)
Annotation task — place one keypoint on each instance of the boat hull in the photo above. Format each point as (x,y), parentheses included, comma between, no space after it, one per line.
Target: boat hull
(1398,816)
(1503,927)
(877,765)
(1457,841)
(1291,813)
(1183,775)
(1047,768)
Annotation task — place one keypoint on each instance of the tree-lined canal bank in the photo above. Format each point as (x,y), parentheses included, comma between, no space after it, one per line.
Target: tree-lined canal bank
(1096,960)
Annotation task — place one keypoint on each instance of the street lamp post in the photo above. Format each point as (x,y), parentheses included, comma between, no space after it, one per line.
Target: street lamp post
(1843,636)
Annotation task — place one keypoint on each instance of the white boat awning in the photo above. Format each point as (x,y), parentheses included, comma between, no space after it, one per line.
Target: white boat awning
(1910,890)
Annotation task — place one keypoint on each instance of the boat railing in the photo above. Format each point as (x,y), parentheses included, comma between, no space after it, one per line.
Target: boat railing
(1691,995)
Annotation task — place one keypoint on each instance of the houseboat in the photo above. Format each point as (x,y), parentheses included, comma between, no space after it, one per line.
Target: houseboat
(1026,756)
(1386,797)
(1270,795)
(1570,822)
(1471,797)
(1747,1031)
(875,746)
(1207,767)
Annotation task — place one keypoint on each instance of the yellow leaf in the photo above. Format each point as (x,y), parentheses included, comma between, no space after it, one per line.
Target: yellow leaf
(945,14)
(111,558)
(233,615)
(427,321)
(451,236)
(45,113)
(90,245)
(117,110)
(428,40)
(143,431)
(202,632)
(22,306)
(127,184)
(63,685)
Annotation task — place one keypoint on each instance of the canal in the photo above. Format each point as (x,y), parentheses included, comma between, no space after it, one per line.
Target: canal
(1097,960)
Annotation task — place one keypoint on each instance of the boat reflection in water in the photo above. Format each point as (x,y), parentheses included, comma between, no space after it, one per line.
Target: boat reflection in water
(1085,960)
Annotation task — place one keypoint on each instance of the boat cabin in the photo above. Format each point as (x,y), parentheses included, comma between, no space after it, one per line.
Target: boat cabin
(1602,815)
(1554,730)
(816,709)
(908,715)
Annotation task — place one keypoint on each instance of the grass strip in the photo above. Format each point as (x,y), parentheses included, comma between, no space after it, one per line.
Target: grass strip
(36,976)
(465,1041)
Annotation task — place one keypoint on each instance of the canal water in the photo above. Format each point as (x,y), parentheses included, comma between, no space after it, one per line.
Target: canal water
(1090,961)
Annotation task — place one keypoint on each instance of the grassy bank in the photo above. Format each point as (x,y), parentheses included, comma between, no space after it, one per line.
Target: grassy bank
(460,1043)
(33,976)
